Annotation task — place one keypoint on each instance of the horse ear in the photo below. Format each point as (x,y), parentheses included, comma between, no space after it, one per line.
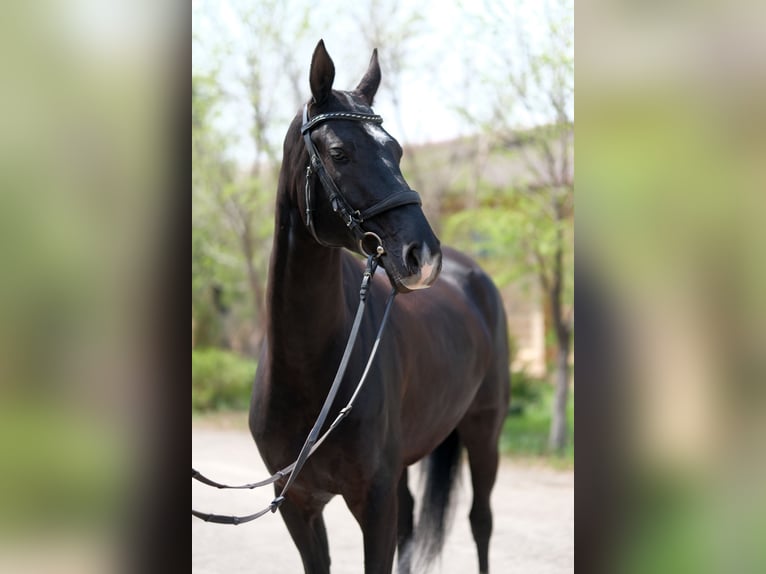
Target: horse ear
(368,87)
(322,73)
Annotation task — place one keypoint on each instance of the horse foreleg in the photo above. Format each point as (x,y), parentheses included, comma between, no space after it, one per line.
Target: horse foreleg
(305,523)
(376,512)
(405,524)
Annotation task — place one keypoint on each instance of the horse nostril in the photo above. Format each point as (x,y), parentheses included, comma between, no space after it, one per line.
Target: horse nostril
(412,258)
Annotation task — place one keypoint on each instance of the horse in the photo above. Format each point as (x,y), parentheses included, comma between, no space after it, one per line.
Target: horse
(440,382)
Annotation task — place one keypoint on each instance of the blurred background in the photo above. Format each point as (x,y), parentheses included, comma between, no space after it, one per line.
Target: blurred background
(670,249)
(84,208)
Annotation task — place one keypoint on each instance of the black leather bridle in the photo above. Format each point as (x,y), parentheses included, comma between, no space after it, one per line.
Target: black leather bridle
(353,218)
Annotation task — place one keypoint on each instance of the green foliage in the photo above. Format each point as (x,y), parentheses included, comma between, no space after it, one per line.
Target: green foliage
(221,380)
(211,174)
(673,528)
(514,235)
(526,391)
(63,468)
(232,223)
(526,429)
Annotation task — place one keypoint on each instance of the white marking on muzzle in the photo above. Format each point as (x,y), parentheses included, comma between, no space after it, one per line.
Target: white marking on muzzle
(424,277)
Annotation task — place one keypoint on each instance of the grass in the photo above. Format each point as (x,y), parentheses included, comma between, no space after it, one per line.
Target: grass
(526,429)
(221,380)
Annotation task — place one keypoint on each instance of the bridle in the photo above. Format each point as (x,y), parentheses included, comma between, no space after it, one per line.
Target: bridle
(352,218)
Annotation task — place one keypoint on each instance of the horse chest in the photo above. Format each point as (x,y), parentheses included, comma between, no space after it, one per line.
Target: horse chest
(282,417)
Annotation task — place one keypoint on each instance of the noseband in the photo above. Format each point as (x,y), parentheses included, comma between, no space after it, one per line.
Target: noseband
(353,218)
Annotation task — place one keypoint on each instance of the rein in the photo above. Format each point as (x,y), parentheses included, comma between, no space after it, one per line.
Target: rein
(312,443)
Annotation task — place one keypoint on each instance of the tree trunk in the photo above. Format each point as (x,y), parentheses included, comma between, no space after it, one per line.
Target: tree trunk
(559,436)
(557,441)
(256,290)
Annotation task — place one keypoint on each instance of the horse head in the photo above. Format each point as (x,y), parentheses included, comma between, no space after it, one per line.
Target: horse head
(355,173)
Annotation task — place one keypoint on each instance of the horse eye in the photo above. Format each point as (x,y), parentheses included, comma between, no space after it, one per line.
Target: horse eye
(338,155)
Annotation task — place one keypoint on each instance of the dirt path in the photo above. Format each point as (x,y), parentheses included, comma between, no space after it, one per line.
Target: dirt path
(533,509)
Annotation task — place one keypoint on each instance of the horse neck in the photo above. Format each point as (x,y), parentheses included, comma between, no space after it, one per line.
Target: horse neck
(307,312)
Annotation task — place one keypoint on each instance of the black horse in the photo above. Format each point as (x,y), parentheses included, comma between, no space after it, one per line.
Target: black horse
(440,381)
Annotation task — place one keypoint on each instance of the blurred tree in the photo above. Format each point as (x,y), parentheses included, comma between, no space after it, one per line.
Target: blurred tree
(211,173)
(233,205)
(531,222)
(227,256)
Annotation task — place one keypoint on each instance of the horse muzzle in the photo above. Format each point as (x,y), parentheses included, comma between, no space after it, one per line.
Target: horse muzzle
(424,266)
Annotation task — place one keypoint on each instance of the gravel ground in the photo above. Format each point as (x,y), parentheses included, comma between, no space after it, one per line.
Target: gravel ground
(533,519)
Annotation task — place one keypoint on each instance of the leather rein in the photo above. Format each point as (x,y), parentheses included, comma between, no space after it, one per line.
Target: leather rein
(353,220)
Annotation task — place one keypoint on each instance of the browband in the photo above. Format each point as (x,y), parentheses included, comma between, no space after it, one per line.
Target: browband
(359,117)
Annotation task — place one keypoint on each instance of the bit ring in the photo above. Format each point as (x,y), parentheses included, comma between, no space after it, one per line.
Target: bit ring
(376,249)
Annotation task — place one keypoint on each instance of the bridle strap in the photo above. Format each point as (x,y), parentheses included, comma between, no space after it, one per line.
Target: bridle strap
(354,116)
(351,217)
(311,443)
